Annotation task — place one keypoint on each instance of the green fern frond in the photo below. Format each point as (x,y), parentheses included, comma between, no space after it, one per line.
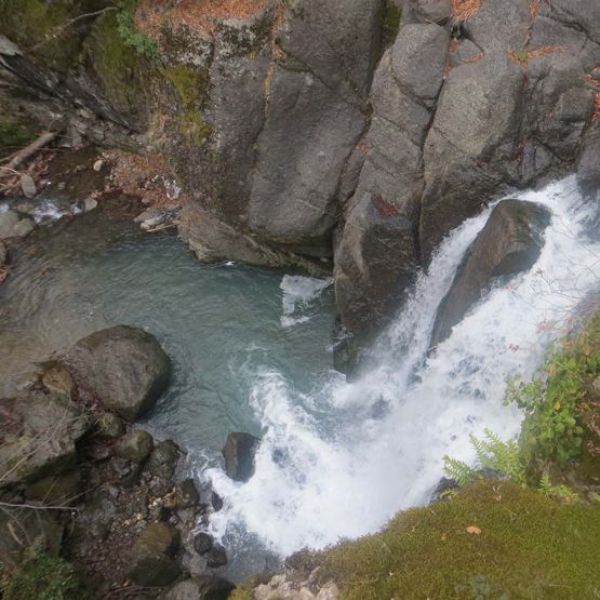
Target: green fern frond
(459,471)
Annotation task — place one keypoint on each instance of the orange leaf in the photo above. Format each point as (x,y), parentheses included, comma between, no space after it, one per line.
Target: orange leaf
(473,530)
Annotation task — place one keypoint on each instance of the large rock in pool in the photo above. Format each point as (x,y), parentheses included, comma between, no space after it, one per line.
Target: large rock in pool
(239,452)
(203,587)
(123,366)
(509,244)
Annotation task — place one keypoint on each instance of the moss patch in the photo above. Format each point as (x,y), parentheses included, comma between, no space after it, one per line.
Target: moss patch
(44,578)
(13,136)
(528,547)
(116,64)
(392,18)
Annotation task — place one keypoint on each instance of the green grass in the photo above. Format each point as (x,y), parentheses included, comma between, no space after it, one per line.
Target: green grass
(529,547)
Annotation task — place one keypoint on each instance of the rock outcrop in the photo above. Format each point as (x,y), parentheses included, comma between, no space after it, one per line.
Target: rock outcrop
(510,243)
(308,133)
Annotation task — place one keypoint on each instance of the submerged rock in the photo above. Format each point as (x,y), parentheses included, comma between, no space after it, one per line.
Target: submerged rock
(203,543)
(510,243)
(123,366)
(216,557)
(239,451)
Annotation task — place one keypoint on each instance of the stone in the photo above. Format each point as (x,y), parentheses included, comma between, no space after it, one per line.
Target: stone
(150,562)
(50,426)
(23,228)
(216,557)
(202,587)
(124,367)
(510,243)
(239,451)
(588,168)
(28,186)
(203,543)
(3,254)
(134,446)
(90,204)
(163,460)
(431,11)
(98,165)
(216,501)
(186,494)
(8,219)
(109,426)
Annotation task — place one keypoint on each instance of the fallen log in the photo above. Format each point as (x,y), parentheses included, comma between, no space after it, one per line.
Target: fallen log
(20,157)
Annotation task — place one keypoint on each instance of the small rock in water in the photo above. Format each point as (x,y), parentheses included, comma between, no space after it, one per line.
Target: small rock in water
(89,204)
(203,543)
(23,228)
(216,557)
(239,452)
(216,501)
(134,446)
(98,165)
(28,186)
(8,220)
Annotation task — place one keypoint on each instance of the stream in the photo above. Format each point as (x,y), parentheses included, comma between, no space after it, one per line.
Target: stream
(252,351)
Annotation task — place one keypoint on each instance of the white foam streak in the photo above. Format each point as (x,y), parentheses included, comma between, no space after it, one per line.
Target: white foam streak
(342,462)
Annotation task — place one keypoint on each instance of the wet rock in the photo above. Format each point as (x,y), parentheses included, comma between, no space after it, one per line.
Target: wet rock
(23,228)
(588,171)
(123,366)
(90,204)
(186,494)
(203,543)
(216,557)
(443,490)
(3,254)
(151,563)
(239,451)
(509,244)
(109,426)
(134,446)
(163,460)
(8,220)
(216,501)
(203,587)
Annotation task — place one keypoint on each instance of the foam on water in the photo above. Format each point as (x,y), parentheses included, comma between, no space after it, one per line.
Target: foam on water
(342,460)
(299,295)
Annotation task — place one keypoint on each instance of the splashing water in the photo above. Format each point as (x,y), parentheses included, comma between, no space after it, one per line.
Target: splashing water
(342,460)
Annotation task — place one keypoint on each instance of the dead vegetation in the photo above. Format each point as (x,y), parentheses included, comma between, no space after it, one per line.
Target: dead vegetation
(196,14)
(522,57)
(465,9)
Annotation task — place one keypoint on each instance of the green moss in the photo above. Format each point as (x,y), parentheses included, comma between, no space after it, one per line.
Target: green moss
(191,84)
(44,578)
(194,127)
(392,19)
(116,64)
(529,547)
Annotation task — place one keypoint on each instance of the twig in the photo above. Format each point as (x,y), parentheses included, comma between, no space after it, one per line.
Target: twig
(43,140)
(37,507)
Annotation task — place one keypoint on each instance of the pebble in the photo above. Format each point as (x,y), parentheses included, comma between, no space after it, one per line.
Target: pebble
(98,165)
(23,228)
(89,204)
(28,186)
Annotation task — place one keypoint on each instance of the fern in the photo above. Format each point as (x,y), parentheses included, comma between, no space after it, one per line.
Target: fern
(459,471)
(561,492)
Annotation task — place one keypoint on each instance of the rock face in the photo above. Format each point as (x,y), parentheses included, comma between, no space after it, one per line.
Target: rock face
(123,366)
(299,139)
(239,452)
(510,243)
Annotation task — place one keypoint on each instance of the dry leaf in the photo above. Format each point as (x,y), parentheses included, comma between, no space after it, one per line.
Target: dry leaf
(473,530)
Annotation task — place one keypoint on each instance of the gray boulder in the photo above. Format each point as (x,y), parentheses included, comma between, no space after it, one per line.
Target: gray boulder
(203,587)
(509,244)
(588,167)
(239,452)
(8,220)
(123,366)
(163,460)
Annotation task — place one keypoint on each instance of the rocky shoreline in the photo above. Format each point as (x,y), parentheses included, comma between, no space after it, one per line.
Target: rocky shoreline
(77,478)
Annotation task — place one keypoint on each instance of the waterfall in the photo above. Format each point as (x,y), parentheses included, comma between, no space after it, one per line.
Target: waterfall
(342,460)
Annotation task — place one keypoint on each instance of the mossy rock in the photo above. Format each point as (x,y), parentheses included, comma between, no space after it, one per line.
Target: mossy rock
(14,136)
(494,539)
(119,69)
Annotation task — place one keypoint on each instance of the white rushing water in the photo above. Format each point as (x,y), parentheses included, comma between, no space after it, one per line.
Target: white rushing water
(341,461)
